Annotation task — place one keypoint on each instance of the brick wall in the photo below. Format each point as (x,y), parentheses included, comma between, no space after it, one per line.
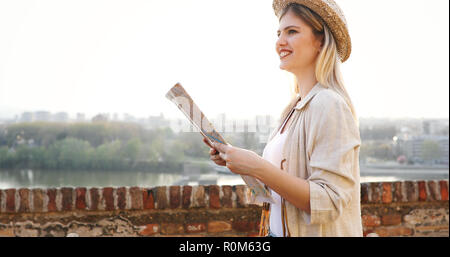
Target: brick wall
(388,209)
(418,208)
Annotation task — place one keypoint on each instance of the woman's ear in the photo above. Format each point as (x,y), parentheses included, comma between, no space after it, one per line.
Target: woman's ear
(320,42)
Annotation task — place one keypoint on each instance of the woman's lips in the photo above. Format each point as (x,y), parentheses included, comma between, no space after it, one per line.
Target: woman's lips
(284,54)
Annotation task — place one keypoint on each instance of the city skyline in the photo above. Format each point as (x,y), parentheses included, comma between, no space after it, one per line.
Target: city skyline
(220,121)
(123,56)
(125,115)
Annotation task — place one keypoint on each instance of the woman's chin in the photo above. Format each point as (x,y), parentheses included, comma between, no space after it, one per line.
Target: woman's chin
(284,67)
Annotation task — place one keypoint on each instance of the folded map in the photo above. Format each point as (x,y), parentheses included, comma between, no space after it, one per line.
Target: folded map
(178,95)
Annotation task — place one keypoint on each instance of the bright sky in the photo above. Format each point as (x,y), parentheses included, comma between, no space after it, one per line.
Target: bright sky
(94,56)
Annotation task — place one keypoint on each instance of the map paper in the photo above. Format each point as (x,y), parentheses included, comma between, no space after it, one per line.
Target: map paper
(178,95)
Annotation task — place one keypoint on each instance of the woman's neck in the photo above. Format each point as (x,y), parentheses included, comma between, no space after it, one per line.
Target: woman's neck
(306,80)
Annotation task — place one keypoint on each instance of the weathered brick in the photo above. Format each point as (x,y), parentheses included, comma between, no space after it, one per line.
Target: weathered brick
(1,194)
(241,196)
(218,226)
(364,193)
(411,191)
(393,231)
(51,194)
(38,199)
(370,220)
(444,190)
(434,191)
(136,198)
(199,196)
(150,229)
(427,230)
(95,198)
(258,225)
(121,198)
(24,195)
(161,198)
(227,196)
(7,232)
(387,192)
(243,225)
(175,196)
(195,228)
(147,199)
(108,198)
(67,194)
(186,198)
(391,219)
(375,196)
(422,191)
(398,194)
(80,198)
(172,228)
(10,200)
(121,194)
(214,198)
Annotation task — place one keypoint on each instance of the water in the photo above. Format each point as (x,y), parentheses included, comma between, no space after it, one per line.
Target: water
(57,178)
(398,173)
(80,178)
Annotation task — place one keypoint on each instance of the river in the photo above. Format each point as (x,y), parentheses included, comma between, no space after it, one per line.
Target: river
(58,178)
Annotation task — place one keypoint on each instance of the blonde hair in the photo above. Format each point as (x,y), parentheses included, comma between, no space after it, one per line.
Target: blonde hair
(327,69)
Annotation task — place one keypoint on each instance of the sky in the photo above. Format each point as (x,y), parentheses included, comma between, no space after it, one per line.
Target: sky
(123,56)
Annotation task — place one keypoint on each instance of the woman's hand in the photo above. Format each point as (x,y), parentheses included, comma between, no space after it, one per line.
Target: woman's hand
(238,160)
(214,154)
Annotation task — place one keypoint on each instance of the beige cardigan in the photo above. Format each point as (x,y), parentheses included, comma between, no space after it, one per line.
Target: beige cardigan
(322,147)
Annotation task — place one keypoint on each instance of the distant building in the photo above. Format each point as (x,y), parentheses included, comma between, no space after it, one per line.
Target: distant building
(42,116)
(61,117)
(426,127)
(81,117)
(157,122)
(414,148)
(264,126)
(128,118)
(27,117)
(221,122)
(435,127)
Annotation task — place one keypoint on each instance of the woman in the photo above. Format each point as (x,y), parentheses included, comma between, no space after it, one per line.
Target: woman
(311,161)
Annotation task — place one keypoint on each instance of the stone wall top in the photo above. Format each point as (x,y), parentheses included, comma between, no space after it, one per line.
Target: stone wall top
(32,200)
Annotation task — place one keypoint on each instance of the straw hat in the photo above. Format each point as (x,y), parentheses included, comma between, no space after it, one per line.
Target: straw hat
(331,14)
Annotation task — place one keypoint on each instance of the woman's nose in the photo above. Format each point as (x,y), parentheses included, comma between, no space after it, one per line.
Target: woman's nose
(281,41)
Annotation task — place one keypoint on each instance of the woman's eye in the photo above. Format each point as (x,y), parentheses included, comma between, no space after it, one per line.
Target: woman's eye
(291,31)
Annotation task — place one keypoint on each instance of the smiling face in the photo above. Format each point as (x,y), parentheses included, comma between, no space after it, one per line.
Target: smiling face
(297,46)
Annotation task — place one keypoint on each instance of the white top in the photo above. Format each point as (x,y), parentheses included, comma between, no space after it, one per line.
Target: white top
(272,153)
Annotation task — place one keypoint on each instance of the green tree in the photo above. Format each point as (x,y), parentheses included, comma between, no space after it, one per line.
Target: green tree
(70,153)
(175,151)
(3,156)
(431,150)
(131,150)
(193,145)
(376,149)
(107,156)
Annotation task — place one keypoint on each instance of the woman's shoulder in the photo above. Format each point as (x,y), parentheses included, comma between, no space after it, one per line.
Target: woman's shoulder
(326,99)
(329,110)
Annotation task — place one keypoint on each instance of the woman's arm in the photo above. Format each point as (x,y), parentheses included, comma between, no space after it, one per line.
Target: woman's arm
(294,189)
(244,162)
